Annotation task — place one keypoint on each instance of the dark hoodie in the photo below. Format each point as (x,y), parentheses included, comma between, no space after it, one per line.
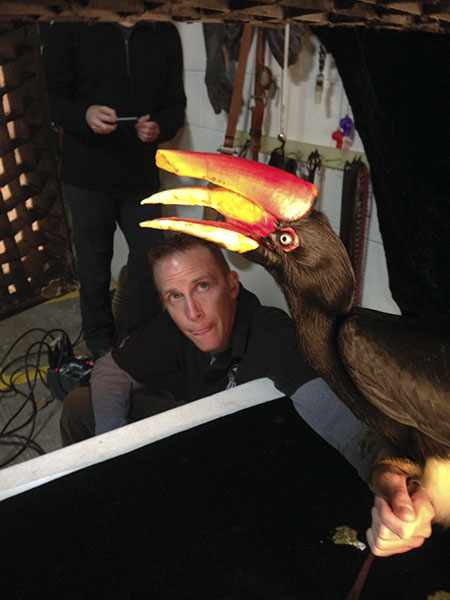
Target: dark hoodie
(96,64)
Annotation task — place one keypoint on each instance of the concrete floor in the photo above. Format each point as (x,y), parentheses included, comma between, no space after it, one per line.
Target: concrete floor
(33,324)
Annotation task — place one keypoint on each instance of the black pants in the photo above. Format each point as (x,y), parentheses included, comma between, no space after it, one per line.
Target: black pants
(94,218)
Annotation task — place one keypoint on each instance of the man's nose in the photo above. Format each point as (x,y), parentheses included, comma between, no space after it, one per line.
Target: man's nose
(193,310)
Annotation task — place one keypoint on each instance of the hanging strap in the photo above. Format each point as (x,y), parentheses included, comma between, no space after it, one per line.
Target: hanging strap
(277,157)
(258,97)
(284,82)
(236,98)
(209,213)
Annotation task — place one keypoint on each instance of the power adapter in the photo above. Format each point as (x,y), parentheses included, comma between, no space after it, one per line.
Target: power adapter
(74,372)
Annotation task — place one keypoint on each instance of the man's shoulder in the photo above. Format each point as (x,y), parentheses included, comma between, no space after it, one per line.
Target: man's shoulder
(78,32)
(269,320)
(153,332)
(264,323)
(160,321)
(162,28)
(158,335)
(260,311)
(165,26)
(60,29)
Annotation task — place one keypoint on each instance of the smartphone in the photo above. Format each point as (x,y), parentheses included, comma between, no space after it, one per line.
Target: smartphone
(119,119)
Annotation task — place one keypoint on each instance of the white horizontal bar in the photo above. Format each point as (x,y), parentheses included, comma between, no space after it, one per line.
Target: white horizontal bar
(37,471)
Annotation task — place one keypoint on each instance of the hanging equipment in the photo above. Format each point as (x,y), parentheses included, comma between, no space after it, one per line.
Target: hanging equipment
(320,75)
(262,82)
(277,157)
(209,214)
(236,98)
(314,162)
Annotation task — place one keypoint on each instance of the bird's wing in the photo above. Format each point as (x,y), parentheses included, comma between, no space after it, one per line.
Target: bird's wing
(402,367)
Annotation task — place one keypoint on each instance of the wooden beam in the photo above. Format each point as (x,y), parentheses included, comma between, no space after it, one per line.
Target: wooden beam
(406,15)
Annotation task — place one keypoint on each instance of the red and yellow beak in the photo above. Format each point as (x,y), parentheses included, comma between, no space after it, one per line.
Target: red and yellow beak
(252,197)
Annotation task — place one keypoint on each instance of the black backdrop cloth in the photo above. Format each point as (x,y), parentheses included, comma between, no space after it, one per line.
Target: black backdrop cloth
(398,85)
(242,508)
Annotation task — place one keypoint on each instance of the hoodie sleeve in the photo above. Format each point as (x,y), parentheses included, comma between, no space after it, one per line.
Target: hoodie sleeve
(171,116)
(59,58)
(110,393)
(318,405)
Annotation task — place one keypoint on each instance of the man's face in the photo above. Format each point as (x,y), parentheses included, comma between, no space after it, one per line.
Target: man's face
(199,297)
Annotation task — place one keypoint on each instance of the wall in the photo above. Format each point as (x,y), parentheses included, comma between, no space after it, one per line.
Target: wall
(306,122)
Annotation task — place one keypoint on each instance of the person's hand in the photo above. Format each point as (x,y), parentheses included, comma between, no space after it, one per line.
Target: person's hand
(402,513)
(147,131)
(101,119)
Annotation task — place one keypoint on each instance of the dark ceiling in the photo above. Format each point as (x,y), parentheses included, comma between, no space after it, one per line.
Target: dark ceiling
(429,15)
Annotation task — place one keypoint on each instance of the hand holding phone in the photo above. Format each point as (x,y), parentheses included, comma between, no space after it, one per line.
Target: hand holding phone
(147,130)
(101,119)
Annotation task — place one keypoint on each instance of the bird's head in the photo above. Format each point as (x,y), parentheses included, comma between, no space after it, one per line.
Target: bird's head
(269,215)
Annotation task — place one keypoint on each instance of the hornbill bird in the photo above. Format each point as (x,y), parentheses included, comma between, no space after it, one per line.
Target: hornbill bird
(392,371)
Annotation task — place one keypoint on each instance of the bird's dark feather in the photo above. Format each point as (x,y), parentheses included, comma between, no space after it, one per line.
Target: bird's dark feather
(402,366)
(393,374)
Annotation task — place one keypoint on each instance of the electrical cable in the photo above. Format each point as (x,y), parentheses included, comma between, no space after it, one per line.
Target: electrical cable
(20,439)
(54,344)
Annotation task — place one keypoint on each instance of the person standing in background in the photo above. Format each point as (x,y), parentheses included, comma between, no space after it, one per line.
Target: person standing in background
(116,91)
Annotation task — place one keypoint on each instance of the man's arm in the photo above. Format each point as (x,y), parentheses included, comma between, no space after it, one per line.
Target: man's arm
(402,513)
(319,406)
(147,130)
(59,59)
(110,394)
(101,119)
(170,117)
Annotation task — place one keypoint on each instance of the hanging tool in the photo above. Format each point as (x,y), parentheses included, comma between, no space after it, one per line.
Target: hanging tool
(318,91)
(277,157)
(314,163)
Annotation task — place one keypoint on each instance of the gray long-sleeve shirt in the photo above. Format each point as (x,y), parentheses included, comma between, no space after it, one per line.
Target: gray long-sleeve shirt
(314,401)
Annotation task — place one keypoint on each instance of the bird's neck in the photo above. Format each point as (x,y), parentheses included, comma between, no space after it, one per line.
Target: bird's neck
(317,337)
(317,326)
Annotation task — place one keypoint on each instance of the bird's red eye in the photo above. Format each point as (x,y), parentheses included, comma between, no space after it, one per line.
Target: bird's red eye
(288,239)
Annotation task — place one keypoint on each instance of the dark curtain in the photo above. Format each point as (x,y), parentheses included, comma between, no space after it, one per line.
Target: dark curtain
(398,85)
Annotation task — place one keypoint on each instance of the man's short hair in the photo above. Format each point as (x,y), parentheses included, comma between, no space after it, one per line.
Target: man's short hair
(180,242)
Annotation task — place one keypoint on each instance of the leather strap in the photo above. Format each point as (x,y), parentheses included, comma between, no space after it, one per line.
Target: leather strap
(236,98)
(258,98)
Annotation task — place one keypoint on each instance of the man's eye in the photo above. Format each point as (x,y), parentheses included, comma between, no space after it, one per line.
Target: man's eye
(203,285)
(174,297)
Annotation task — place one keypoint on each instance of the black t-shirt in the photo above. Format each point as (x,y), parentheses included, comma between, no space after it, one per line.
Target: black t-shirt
(262,344)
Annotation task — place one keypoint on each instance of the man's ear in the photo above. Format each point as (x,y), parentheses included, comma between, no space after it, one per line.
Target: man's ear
(233,284)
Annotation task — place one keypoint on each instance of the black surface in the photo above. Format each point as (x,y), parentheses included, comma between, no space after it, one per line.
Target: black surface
(238,509)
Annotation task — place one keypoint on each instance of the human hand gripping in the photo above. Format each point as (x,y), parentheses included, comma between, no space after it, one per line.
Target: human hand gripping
(101,119)
(402,513)
(147,131)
